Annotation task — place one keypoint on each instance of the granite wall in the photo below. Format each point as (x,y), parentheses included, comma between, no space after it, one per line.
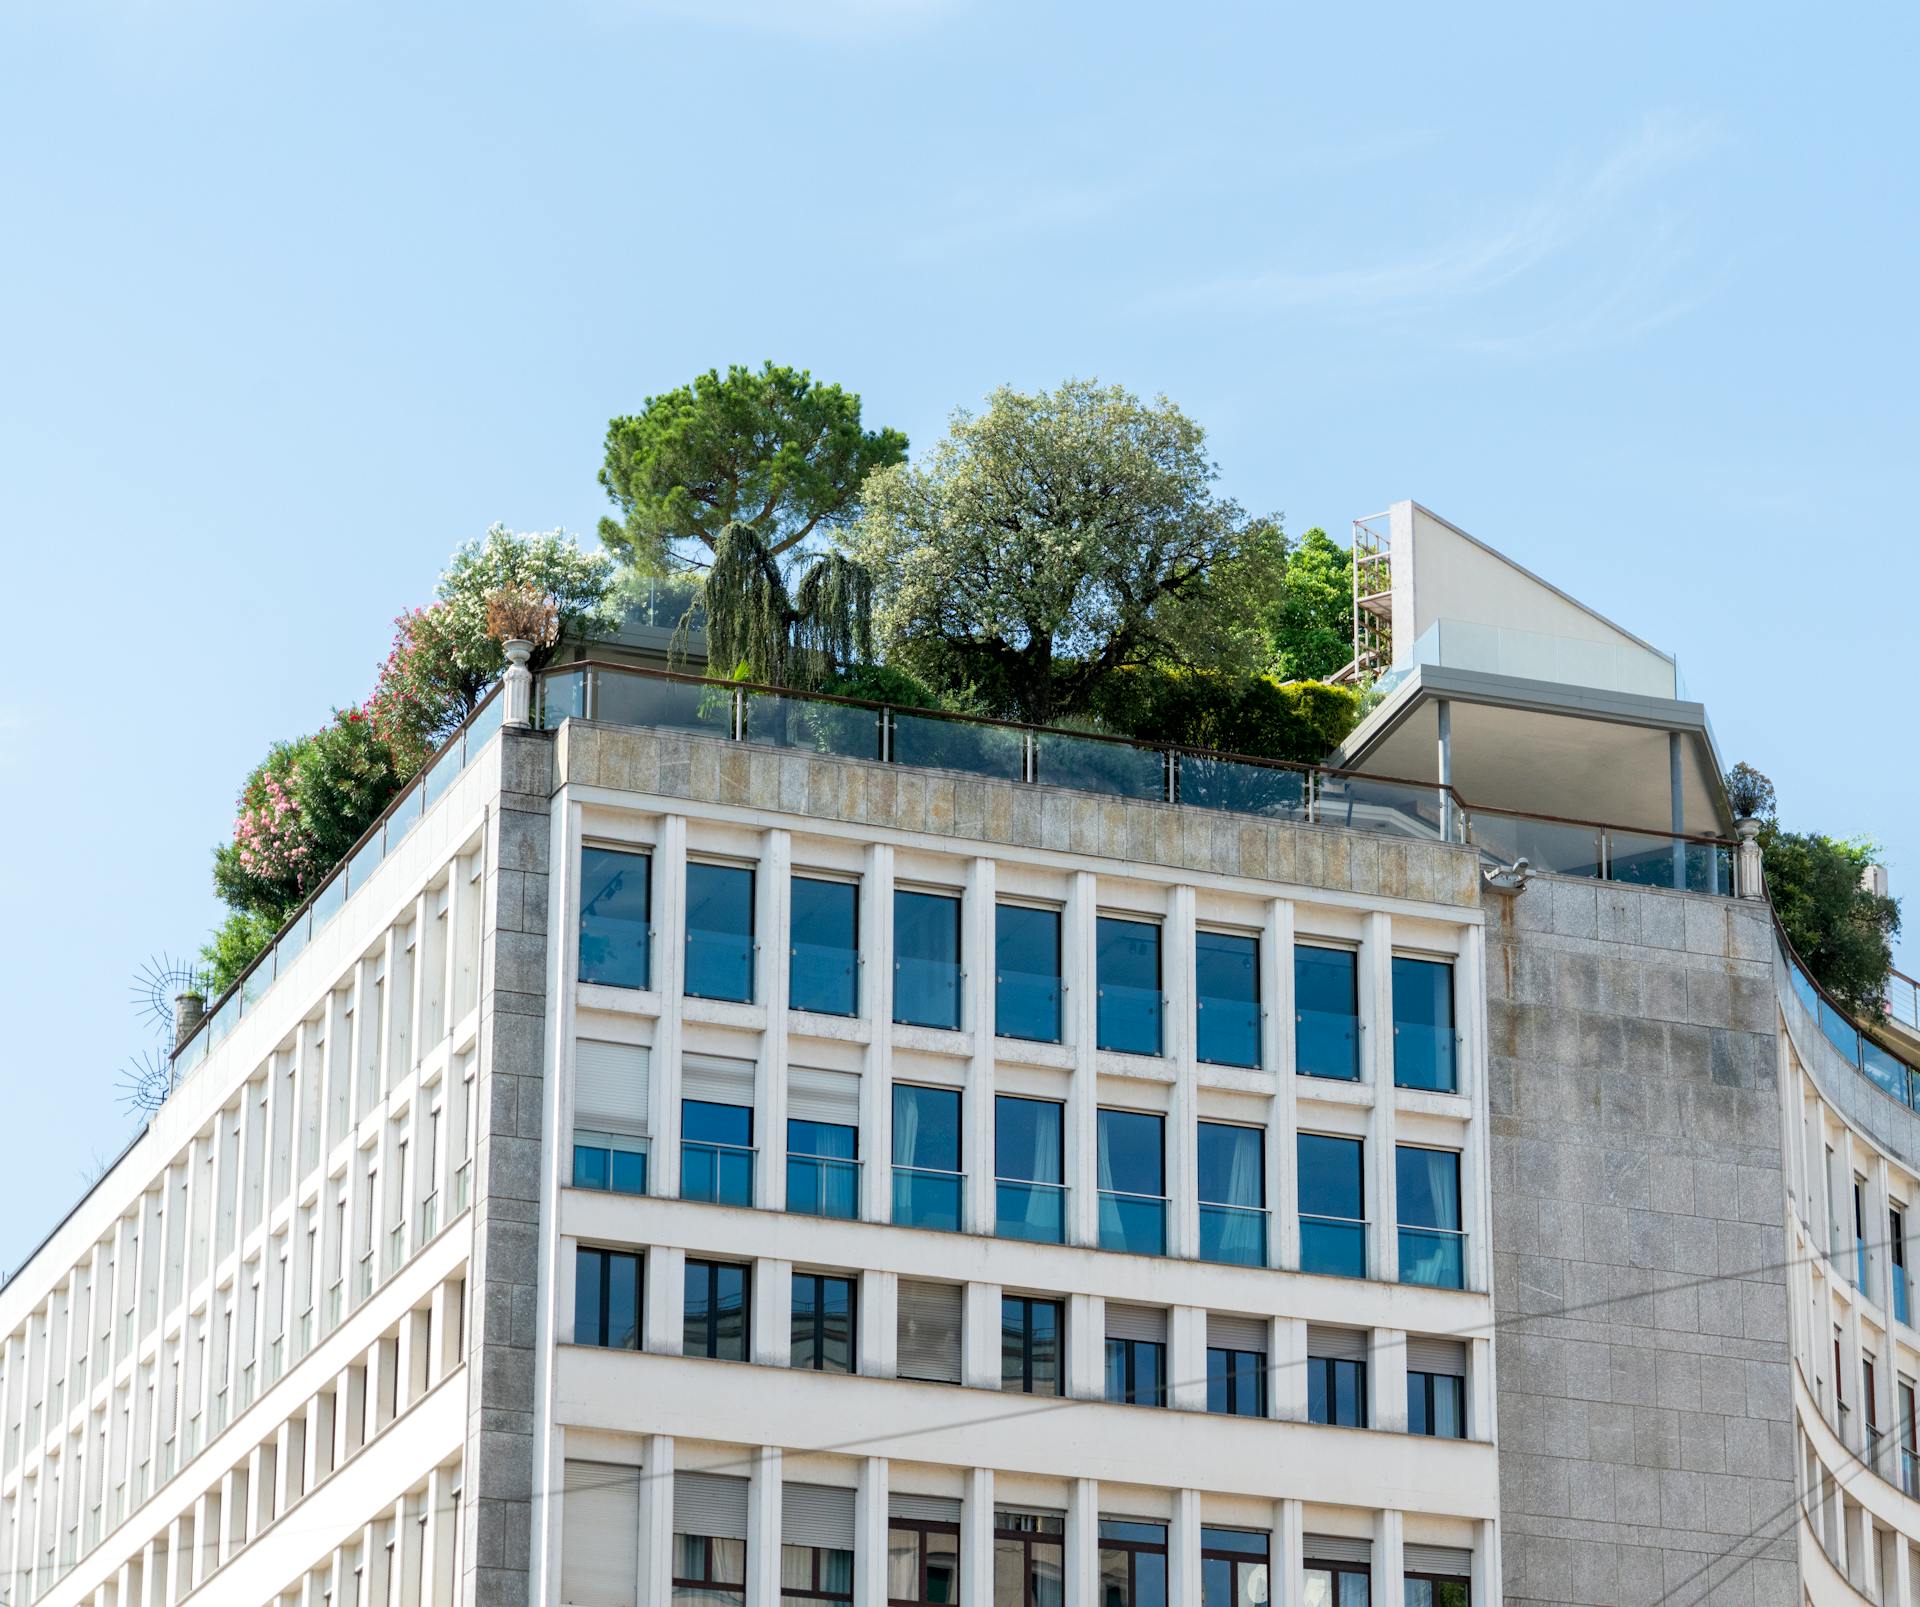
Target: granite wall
(1646,1445)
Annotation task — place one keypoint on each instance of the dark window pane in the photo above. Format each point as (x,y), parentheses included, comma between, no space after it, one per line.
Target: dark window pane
(1130,1152)
(1026,973)
(1326,1013)
(1127,956)
(1026,1139)
(926,960)
(628,1170)
(825,960)
(590,1167)
(1330,1177)
(589,1295)
(1423,1024)
(1227,989)
(1419,1391)
(615,907)
(719,932)
(926,1127)
(730,1313)
(623,1302)
(1428,1184)
(705,1123)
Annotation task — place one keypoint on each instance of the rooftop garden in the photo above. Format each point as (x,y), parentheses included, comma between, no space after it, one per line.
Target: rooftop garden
(1063,558)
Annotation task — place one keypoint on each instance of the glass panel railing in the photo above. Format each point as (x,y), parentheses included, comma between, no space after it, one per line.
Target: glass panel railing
(821,1185)
(1089,764)
(923,1198)
(698,706)
(1901,1295)
(1423,1057)
(926,993)
(1026,1005)
(1840,1033)
(1395,808)
(1433,1257)
(1133,1222)
(1235,1234)
(823,977)
(1546,845)
(1886,1073)
(720,966)
(440,775)
(948,744)
(1326,1043)
(716,1174)
(1333,1244)
(812,725)
(1127,1018)
(1228,1031)
(563,696)
(463,1187)
(366,861)
(1036,1212)
(1244,788)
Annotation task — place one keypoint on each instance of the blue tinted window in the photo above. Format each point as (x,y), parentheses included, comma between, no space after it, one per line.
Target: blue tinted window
(1226,977)
(822,1138)
(1232,1164)
(1136,1372)
(1127,957)
(1423,1024)
(719,932)
(822,1177)
(926,1127)
(1026,1139)
(606,1299)
(1131,1158)
(926,960)
(825,960)
(1336,1392)
(705,1123)
(615,908)
(1428,1185)
(607,1166)
(1326,1014)
(1026,990)
(1333,1239)
(715,1314)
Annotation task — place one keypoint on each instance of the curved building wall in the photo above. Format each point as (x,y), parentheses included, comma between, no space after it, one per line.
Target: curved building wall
(1853,1184)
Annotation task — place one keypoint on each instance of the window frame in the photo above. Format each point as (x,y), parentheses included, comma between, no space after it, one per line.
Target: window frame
(1027,1303)
(1232,1382)
(957,898)
(1130,1386)
(605,1257)
(1058,916)
(752,934)
(1259,1010)
(1429,1391)
(922,1527)
(708,1584)
(1027,1539)
(819,1321)
(1158,927)
(825,879)
(1133,1549)
(1330,1393)
(817,1592)
(712,1317)
(643,853)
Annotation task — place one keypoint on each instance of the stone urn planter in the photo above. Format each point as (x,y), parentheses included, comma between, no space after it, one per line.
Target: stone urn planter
(1749,880)
(517,682)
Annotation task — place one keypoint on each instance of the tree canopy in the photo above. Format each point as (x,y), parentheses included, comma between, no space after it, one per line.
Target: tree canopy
(768,449)
(1843,931)
(1056,538)
(1312,633)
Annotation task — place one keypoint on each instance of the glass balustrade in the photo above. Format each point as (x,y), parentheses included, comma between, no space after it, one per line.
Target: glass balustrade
(1333,1245)
(1133,1222)
(1234,1234)
(1033,1211)
(823,1185)
(924,1198)
(1434,1257)
(716,1174)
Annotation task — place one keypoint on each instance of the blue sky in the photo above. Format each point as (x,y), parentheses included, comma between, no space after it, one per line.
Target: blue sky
(295,298)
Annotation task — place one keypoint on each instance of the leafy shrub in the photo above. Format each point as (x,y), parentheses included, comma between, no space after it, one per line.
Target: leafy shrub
(1843,932)
(1301,721)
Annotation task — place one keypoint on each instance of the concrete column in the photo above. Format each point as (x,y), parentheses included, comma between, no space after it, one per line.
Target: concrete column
(1287,1369)
(1443,715)
(1276,1054)
(877,1330)
(1179,1030)
(771,1342)
(976,1539)
(1470,1061)
(664,1301)
(876,1087)
(1677,803)
(1285,1586)
(772,916)
(1183,1550)
(437,1574)
(980,1336)
(656,1520)
(976,1098)
(1375,977)
(1387,1379)
(1086,1347)
(1868,1557)
(1082,1549)
(1187,1359)
(870,1534)
(1484,1584)
(1081,1140)
(1389,1558)
(1480,1396)
(669,980)
(763,1528)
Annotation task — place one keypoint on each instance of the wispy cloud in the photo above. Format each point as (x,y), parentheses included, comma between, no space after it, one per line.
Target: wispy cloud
(1591,260)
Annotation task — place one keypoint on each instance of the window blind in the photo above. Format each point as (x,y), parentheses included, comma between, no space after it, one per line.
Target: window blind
(926,1508)
(1439,1559)
(1336,1344)
(610,1087)
(1136,1322)
(1236,1333)
(815,1095)
(1446,1356)
(710,1504)
(717,1079)
(816,1515)
(929,1332)
(600,1535)
(1335,1548)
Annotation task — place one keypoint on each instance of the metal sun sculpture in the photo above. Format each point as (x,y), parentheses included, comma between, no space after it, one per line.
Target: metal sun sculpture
(144,1082)
(160,980)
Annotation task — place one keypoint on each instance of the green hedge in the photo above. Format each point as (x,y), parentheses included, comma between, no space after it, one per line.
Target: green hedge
(1299,720)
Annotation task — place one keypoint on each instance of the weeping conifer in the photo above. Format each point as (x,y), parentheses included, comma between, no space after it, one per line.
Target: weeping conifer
(755,628)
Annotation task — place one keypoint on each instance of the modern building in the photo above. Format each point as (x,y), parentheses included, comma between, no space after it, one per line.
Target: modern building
(714,1146)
